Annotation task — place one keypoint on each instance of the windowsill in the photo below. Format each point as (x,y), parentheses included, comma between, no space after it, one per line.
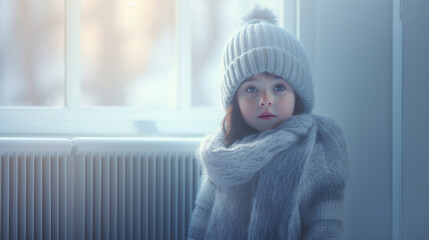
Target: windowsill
(109,122)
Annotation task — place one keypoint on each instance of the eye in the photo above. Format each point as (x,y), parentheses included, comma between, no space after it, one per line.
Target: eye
(251,89)
(279,87)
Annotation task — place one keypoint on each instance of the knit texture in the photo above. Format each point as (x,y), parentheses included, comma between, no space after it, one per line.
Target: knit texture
(283,183)
(262,46)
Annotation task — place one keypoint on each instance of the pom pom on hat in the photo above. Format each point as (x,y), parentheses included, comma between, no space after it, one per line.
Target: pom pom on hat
(257,14)
(262,46)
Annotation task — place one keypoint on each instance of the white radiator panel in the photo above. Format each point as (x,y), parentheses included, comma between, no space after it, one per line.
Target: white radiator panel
(97,188)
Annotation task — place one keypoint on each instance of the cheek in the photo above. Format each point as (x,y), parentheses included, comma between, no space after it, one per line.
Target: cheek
(287,106)
(247,107)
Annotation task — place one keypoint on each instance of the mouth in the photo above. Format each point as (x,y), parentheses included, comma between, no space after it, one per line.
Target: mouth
(266,115)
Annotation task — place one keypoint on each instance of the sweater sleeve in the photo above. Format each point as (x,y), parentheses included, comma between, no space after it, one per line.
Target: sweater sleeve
(322,208)
(202,211)
(322,201)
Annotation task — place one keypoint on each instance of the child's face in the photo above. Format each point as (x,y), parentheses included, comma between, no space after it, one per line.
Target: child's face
(265,101)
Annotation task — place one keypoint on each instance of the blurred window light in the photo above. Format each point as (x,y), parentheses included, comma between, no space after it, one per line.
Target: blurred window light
(32,53)
(128,53)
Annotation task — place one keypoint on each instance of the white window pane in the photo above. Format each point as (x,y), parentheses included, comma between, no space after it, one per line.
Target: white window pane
(32,53)
(128,53)
(213,22)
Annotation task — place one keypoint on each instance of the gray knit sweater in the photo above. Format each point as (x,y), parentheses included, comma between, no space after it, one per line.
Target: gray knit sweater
(283,183)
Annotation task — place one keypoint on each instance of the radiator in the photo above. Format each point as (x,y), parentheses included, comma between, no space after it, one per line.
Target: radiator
(89,188)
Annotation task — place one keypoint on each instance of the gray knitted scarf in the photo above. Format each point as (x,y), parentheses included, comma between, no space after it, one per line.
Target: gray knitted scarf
(227,167)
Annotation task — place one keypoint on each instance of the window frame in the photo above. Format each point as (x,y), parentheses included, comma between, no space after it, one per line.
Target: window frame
(75,120)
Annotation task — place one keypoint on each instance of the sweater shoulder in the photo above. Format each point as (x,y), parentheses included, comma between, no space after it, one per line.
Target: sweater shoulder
(329,134)
(330,151)
(327,124)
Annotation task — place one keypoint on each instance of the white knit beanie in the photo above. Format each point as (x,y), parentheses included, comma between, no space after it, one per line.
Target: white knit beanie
(262,46)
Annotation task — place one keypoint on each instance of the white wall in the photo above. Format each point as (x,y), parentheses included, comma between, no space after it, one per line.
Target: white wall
(350,47)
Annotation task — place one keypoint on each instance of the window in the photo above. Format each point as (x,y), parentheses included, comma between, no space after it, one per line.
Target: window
(114,67)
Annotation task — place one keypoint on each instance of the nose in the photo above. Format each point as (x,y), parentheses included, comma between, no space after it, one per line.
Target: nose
(265,100)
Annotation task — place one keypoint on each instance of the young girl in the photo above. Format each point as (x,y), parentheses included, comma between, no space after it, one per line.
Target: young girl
(273,170)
